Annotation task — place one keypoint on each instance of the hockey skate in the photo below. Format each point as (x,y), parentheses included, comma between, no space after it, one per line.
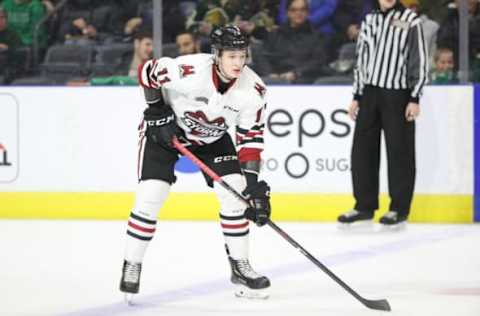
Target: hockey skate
(130,282)
(393,221)
(249,283)
(355,219)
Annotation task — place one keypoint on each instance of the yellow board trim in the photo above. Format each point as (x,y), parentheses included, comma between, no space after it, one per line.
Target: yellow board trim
(426,208)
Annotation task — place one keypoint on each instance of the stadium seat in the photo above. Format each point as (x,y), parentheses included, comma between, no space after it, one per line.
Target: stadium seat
(65,61)
(335,80)
(110,58)
(33,81)
(169,50)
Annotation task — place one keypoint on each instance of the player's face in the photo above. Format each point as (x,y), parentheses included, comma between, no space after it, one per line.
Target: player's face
(386,4)
(232,62)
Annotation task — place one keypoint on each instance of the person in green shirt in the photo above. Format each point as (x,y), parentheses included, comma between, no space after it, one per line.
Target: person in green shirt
(23,16)
(9,42)
(9,39)
(443,70)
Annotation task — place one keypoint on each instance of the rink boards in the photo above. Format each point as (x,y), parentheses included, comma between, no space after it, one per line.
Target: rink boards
(72,153)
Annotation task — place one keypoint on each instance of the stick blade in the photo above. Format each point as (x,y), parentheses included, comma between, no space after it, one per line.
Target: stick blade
(381,305)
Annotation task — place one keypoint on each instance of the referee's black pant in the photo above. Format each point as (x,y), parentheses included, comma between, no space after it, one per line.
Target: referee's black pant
(383,109)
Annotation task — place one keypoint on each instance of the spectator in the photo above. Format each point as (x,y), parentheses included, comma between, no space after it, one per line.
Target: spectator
(9,41)
(348,16)
(212,12)
(49,6)
(448,32)
(209,14)
(76,26)
(53,22)
(187,43)
(132,25)
(346,21)
(476,69)
(444,64)
(430,27)
(294,53)
(126,71)
(436,10)
(93,21)
(173,20)
(142,51)
(23,17)
(320,14)
(255,18)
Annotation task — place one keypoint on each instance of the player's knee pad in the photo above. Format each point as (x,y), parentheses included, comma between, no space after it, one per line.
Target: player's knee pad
(151,194)
(231,205)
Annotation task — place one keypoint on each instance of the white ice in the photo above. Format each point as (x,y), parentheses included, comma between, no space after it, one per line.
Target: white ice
(73,268)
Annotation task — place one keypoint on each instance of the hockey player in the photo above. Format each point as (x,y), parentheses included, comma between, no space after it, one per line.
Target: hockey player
(197,98)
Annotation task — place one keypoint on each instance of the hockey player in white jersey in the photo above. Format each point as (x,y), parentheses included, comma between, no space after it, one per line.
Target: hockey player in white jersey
(197,98)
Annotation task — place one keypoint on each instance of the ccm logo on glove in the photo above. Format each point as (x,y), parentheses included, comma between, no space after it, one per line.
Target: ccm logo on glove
(162,121)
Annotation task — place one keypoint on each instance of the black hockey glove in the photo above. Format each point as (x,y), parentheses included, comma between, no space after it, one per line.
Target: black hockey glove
(258,194)
(161,125)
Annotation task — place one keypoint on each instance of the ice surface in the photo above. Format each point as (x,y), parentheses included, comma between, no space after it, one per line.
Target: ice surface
(73,268)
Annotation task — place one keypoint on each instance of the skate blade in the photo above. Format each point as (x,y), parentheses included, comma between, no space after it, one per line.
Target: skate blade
(394,228)
(364,225)
(245,292)
(128,298)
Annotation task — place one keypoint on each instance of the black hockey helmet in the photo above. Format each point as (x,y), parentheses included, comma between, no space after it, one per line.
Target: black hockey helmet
(228,37)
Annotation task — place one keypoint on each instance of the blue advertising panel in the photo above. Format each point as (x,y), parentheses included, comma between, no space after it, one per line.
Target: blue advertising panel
(476,160)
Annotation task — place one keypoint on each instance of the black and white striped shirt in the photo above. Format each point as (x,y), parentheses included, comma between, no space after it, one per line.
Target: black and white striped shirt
(391,53)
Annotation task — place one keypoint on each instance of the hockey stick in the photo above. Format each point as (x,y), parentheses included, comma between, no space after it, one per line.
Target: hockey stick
(373,304)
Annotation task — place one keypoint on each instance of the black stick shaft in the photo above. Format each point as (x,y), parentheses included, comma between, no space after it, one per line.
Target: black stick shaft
(373,304)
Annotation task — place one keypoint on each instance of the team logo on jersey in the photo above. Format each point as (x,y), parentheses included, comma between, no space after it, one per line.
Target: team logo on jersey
(186,70)
(260,89)
(201,126)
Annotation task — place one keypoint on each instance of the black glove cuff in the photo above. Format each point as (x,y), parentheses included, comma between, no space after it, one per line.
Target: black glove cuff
(159,116)
(251,170)
(158,111)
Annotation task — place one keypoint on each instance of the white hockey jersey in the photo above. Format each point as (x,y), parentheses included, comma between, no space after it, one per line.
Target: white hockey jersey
(189,85)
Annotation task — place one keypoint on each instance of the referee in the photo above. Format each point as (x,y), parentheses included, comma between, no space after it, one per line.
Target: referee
(391,70)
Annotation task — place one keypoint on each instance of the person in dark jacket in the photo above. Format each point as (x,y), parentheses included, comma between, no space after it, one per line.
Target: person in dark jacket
(348,16)
(295,52)
(346,22)
(448,33)
(320,15)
